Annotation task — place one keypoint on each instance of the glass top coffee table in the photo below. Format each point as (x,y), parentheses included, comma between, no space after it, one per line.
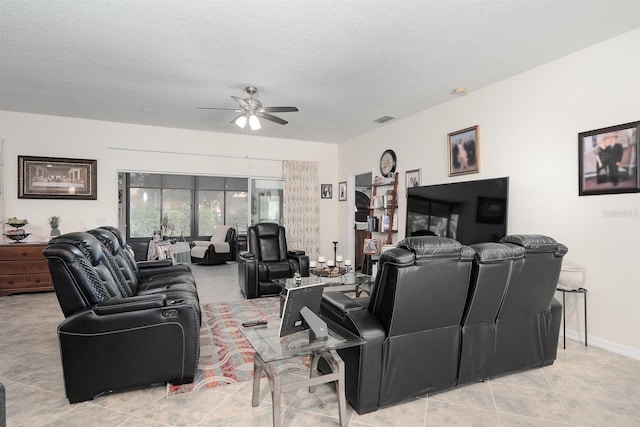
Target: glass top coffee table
(347,282)
(270,348)
(352,281)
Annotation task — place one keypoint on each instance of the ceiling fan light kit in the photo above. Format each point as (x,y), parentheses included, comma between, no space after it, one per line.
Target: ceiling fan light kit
(251,110)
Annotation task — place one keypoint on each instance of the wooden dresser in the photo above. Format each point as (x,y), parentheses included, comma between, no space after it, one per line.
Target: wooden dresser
(23,268)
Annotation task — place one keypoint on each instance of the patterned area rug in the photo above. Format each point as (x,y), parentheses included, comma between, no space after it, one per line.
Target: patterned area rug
(225,355)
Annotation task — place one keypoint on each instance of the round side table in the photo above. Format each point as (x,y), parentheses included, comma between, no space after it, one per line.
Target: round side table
(571,281)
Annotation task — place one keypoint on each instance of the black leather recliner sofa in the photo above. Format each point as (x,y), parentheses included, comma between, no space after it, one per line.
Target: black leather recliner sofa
(267,259)
(115,335)
(442,314)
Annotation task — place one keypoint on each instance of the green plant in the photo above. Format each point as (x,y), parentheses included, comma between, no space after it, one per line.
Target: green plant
(54,221)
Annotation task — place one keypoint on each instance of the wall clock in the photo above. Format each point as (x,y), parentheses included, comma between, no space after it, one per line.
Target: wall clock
(388,163)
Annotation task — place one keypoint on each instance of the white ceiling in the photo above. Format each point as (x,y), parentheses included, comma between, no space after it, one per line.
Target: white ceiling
(342,63)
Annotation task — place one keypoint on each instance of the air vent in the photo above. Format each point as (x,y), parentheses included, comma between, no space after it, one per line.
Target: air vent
(384,119)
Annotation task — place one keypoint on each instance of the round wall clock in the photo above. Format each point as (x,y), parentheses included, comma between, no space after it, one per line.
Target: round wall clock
(388,163)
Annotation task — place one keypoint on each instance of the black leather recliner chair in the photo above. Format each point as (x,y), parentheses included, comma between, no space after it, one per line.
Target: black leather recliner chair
(528,322)
(411,324)
(489,279)
(112,338)
(267,259)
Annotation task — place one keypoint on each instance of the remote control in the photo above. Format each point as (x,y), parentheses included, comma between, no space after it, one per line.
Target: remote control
(254,323)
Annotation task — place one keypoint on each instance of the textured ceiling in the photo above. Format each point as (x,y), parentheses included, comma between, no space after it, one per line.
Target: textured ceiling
(342,63)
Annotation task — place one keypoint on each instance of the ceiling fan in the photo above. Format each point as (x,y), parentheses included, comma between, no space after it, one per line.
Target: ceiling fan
(251,108)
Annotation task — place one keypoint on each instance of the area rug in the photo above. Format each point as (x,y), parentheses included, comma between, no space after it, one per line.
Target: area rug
(226,357)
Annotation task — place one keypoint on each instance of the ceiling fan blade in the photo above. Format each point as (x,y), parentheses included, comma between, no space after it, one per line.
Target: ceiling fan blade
(216,108)
(241,102)
(279,109)
(272,118)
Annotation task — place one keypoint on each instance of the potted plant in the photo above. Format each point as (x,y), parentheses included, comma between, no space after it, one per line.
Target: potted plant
(54,222)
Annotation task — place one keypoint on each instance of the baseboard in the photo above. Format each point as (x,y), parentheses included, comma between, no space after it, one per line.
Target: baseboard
(611,346)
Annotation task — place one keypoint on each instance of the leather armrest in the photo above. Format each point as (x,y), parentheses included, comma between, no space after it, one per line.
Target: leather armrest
(122,305)
(204,243)
(339,304)
(247,255)
(154,264)
(295,253)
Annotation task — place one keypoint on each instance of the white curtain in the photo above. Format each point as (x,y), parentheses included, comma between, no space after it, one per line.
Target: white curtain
(302,206)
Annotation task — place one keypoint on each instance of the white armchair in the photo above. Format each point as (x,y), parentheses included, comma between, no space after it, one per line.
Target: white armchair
(218,249)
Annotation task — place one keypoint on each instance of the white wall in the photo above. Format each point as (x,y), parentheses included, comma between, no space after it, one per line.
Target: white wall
(528,130)
(113,145)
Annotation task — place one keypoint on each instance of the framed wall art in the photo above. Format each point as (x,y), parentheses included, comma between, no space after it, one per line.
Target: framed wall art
(608,160)
(342,191)
(326,191)
(412,178)
(464,151)
(372,246)
(57,178)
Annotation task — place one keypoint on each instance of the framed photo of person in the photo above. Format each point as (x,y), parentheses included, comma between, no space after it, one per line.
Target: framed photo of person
(608,160)
(326,191)
(342,191)
(412,178)
(164,250)
(464,152)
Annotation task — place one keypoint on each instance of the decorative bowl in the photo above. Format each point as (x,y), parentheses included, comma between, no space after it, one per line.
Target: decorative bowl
(15,222)
(17,237)
(330,271)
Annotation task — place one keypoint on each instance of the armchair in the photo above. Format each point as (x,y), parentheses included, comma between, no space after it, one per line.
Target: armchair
(218,249)
(267,259)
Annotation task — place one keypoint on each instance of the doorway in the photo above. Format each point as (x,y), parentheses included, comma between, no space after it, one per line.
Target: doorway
(362,200)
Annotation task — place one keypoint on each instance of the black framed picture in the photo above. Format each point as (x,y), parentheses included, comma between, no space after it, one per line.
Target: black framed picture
(57,178)
(326,191)
(608,160)
(342,189)
(464,151)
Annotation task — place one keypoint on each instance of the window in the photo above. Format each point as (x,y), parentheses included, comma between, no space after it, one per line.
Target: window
(193,205)
(144,211)
(267,200)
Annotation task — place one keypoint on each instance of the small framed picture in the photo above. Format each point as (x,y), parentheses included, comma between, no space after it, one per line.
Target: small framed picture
(326,191)
(412,178)
(464,151)
(608,160)
(342,191)
(163,250)
(372,246)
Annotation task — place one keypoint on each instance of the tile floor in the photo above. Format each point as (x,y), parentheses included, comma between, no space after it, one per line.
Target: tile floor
(585,386)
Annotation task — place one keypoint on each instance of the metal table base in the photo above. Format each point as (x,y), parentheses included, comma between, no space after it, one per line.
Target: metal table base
(582,291)
(277,387)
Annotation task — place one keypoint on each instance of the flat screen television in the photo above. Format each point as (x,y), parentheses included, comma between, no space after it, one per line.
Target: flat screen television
(469,212)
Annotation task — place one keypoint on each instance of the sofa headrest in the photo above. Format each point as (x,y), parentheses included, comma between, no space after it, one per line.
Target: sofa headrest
(490,252)
(88,244)
(107,238)
(265,229)
(219,234)
(116,232)
(434,246)
(536,243)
